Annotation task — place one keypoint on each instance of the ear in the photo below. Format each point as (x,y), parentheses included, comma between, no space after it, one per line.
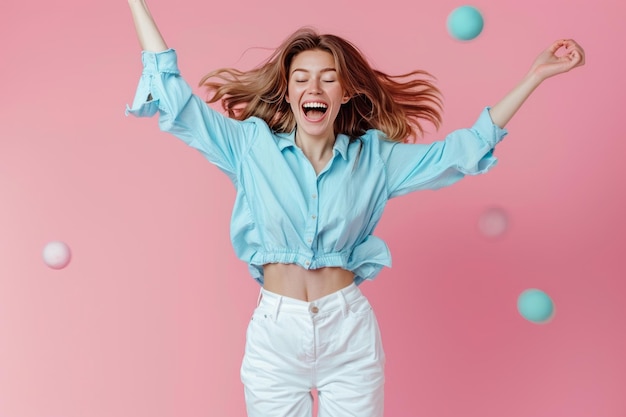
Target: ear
(345,98)
(287,96)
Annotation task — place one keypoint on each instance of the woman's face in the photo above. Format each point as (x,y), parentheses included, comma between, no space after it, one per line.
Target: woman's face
(314,93)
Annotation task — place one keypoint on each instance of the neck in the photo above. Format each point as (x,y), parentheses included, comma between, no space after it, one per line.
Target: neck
(315,149)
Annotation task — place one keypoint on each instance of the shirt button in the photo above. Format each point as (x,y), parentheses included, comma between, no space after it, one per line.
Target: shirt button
(314,309)
(307,263)
(314,217)
(314,196)
(309,240)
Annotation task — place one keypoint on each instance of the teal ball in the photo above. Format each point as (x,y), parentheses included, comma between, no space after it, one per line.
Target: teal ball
(535,306)
(465,23)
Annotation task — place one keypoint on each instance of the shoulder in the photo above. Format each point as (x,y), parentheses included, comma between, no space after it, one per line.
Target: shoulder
(374,138)
(264,135)
(377,141)
(373,146)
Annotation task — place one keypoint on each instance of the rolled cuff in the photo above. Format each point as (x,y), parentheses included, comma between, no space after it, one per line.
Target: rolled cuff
(145,104)
(486,130)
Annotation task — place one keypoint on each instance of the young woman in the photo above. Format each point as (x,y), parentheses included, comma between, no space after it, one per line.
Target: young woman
(314,146)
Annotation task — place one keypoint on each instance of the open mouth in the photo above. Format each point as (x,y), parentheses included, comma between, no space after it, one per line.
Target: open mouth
(314,110)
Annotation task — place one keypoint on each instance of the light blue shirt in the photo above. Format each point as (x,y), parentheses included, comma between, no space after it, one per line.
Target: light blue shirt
(286,213)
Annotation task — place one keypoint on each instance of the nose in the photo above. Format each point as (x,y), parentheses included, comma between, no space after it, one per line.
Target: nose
(315,87)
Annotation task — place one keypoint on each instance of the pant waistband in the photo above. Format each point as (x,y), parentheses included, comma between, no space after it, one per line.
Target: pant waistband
(341,299)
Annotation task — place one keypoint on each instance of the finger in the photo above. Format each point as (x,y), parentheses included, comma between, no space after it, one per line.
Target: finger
(577,58)
(571,44)
(556,45)
(580,52)
(569,61)
(576,52)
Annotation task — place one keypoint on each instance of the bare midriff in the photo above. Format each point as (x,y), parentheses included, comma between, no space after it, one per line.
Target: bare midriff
(291,280)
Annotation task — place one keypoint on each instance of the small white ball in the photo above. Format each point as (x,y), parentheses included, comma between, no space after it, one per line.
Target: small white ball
(56,255)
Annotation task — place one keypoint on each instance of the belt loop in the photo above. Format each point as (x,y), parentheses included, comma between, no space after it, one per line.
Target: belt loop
(345,306)
(277,307)
(258,301)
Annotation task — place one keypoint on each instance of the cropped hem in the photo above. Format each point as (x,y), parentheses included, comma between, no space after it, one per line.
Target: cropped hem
(362,270)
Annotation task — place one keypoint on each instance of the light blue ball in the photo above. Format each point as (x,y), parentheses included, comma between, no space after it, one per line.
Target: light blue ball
(535,305)
(465,23)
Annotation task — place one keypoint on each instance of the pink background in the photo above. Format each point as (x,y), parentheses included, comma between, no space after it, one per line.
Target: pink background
(149,317)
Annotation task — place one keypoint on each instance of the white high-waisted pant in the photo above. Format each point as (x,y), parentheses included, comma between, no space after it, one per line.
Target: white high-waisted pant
(331,344)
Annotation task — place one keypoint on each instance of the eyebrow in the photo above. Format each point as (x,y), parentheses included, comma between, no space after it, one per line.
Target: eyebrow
(307,71)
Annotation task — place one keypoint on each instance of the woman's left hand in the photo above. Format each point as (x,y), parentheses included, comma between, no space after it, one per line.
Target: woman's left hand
(548,63)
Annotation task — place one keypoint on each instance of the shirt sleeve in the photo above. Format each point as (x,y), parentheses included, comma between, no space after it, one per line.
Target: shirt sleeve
(161,89)
(412,167)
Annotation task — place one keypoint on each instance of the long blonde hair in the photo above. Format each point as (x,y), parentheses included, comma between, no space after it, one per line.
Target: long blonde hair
(395,105)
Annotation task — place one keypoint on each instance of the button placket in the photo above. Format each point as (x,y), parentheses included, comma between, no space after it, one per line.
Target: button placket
(313,210)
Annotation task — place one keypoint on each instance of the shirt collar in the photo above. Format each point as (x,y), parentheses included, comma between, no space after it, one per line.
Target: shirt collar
(341,145)
(286,140)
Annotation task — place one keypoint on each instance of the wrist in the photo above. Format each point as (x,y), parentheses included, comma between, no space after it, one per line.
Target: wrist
(533,79)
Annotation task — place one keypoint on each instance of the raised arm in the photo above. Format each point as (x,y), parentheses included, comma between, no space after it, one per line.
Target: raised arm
(546,65)
(148,33)
(163,91)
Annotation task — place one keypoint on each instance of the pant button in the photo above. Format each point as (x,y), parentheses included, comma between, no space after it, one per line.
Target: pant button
(314,309)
